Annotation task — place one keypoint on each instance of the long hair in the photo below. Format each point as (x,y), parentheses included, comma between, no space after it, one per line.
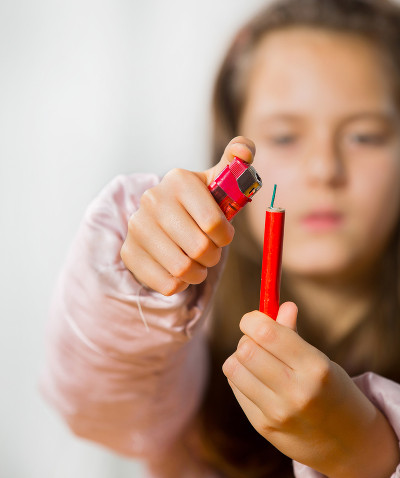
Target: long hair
(229,442)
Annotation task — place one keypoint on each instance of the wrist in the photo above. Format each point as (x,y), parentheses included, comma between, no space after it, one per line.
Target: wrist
(375,455)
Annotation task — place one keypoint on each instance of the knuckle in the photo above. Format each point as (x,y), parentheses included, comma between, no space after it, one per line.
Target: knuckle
(302,400)
(266,428)
(181,267)
(230,367)
(281,418)
(245,322)
(212,222)
(133,223)
(196,275)
(123,253)
(201,275)
(265,333)
(228,236)
(170,286)
(138,228)
(322,370)
(175,175)
(245,351)
(202,246)
(149,197)
(215,257)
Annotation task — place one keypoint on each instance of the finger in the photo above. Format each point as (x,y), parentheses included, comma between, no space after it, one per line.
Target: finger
(150,273)
(243,148)
(251,410)
(205,211)
(185,232)
(167,253)
(287,315)
(264,366)
(256,391)
(197,201)
(281,341)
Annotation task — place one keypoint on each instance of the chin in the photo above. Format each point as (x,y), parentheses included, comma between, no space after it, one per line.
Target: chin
(323,271)
(318,262)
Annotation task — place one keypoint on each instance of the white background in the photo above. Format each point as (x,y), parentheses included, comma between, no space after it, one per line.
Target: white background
(88,89)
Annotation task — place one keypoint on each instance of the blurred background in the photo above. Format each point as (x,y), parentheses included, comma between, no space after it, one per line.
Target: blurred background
(88,90)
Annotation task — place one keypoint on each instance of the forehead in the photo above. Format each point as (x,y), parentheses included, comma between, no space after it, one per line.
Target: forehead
(299,68)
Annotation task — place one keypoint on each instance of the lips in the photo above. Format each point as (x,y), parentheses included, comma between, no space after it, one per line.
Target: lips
(322,220)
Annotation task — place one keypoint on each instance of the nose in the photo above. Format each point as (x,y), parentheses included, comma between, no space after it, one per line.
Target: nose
(324,163)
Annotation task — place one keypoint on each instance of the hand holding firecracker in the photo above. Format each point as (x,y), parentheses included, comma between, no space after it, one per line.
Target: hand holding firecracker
(302,402)
(292,394)
(272,259)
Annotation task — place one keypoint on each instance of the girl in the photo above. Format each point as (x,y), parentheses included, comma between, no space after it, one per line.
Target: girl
(134,357)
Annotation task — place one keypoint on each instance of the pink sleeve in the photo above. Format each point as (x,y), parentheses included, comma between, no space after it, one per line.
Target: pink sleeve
(385,395)
(125,378)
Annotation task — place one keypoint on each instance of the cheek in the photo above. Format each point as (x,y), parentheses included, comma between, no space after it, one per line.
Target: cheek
(376,197)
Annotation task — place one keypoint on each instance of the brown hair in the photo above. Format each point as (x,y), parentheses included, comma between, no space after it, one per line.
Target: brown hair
(230,444)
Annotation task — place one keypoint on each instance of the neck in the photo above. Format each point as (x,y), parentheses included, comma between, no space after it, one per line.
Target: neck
(332,306)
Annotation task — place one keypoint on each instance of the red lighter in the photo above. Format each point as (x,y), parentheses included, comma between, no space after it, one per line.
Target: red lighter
(234,186)
(272,260)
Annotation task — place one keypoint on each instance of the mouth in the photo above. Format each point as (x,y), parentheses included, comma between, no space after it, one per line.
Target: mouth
(322,221)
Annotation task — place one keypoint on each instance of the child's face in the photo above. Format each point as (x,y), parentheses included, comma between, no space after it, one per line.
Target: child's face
(321,112)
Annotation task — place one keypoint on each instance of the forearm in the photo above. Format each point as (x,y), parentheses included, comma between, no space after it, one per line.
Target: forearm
(132,407)
(110,359)
(359,441)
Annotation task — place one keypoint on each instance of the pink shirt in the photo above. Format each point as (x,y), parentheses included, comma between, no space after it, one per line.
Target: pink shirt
(126,367)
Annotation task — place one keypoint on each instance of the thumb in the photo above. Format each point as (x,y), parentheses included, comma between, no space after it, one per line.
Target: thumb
(287,315)
(239,146)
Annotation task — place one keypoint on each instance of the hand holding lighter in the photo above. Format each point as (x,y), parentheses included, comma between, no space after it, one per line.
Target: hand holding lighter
(234,186)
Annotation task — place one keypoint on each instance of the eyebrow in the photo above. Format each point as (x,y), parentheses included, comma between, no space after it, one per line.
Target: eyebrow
(280,116)
(378,114)
(389,118)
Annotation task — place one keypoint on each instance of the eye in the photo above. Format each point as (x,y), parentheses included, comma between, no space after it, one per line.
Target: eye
(372,139)
(283,140)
